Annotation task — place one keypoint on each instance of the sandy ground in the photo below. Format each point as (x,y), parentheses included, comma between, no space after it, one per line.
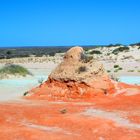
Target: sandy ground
(129,68)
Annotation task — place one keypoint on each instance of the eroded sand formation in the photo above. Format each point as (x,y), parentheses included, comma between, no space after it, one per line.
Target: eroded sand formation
(77,77)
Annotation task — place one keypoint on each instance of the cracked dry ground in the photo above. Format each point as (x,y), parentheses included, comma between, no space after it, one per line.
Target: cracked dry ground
(103,118)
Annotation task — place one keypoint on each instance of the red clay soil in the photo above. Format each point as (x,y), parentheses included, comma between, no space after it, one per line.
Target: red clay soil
(57,90)
(102,117)
(71,91)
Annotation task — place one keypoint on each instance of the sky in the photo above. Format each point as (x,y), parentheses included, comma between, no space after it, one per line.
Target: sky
(69,22)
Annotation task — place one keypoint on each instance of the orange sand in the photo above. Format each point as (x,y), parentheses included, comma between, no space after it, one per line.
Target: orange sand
(105,117)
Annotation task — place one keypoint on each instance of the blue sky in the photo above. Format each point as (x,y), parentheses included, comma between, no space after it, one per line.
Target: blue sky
(68,22)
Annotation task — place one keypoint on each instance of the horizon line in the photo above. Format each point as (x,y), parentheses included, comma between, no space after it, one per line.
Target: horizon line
(85,45)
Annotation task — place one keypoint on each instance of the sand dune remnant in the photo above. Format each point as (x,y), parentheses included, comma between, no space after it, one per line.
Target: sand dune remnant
(77,76)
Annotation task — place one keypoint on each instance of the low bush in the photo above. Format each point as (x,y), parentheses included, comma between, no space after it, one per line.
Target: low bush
(120,49)
(11,69)
(120,68)
(95,52)
(25,93)
(116,66)
(130,70)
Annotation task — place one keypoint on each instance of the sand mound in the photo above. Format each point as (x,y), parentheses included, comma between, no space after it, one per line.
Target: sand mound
(78,67)
(77,76)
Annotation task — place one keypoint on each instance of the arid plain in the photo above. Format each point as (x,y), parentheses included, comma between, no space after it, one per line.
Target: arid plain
(67,106)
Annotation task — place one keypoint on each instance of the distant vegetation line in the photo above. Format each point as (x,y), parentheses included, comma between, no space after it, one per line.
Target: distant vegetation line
(36,51)
(18,52)
(68,46)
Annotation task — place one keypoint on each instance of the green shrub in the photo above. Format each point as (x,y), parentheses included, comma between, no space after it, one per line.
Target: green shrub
(86,58)
(86,49)
(116,66)
(130,70)
(120,68)
(25,93)
(120,49)
(9,52)
(95,52)
(11,69)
